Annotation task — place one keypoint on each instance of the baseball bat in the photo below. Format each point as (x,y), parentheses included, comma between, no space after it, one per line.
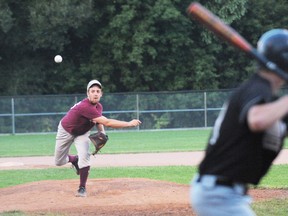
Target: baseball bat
(226,32)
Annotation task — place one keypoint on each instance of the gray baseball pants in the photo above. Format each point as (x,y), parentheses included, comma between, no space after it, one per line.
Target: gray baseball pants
(64,140)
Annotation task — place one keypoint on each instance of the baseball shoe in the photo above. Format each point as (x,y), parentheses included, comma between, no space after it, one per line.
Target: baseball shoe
(75,165)
(81,192)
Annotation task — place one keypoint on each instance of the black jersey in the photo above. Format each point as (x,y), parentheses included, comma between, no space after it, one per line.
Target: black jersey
(233,150)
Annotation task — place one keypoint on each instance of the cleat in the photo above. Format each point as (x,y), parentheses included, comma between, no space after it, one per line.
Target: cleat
(81,192)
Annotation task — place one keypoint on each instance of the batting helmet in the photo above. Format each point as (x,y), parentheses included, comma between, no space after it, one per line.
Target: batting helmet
(274,46)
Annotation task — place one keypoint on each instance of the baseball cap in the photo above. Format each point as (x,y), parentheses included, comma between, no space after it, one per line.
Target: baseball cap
(94,82)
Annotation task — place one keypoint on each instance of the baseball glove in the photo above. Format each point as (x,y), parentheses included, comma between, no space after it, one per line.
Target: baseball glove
(99,139)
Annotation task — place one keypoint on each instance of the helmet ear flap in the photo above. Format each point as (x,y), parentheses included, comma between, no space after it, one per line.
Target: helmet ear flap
(284,60)
(284,56)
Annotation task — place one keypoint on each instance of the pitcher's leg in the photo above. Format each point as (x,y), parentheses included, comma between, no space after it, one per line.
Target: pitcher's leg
(64,141)
(82,145)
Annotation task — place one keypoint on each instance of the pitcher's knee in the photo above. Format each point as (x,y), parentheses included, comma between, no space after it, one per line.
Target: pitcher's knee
(84,163)
(59,163)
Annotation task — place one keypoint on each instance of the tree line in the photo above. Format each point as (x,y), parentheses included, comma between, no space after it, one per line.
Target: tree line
(128,45)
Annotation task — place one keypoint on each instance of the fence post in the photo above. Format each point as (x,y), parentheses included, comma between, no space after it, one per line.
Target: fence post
(13,116)
(137,109)
(205,109)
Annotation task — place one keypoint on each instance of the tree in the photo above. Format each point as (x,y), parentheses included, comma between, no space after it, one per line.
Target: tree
(128,45)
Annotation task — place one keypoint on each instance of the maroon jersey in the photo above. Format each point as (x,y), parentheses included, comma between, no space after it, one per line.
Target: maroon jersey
(78,119)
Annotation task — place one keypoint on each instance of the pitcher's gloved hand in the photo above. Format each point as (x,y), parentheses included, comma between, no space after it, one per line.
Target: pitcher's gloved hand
(99,139)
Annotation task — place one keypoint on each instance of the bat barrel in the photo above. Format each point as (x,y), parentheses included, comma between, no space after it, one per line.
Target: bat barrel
(213,23)
(216,25)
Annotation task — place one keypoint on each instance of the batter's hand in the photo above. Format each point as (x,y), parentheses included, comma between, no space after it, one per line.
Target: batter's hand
(134,123)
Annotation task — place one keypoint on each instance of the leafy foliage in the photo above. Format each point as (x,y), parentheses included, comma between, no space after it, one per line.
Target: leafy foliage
(127,45)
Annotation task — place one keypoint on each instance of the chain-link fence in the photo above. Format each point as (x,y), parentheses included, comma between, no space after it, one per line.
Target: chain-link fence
(156,110)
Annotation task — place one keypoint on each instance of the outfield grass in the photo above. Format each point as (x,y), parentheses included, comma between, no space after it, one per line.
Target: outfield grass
(119,142)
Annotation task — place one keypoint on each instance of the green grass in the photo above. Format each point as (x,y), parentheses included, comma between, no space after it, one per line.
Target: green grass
(26,145)
(119,142)
(272,207)
(13,213)
(276,178)
(19,213)
(177,174)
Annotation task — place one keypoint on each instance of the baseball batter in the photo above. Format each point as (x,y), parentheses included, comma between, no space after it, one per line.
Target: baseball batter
(247,136)
(75,128)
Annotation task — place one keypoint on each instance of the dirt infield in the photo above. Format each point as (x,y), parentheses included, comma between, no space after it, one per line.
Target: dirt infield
(122,196)
(118,160)
(107,197)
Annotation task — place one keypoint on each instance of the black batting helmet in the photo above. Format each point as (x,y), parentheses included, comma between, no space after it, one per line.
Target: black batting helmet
(274,46)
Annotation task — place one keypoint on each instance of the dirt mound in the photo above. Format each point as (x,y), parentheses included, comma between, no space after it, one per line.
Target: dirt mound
(107,197)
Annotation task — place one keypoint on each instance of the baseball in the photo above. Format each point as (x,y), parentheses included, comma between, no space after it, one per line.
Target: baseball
(58,58)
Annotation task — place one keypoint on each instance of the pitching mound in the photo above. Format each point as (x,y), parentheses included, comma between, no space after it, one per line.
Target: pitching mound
(106,197)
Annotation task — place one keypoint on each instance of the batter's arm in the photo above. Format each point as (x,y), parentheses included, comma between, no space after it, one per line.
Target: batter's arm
(262,116)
